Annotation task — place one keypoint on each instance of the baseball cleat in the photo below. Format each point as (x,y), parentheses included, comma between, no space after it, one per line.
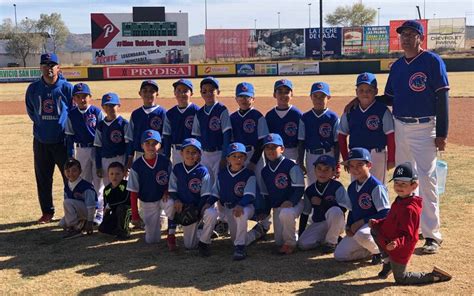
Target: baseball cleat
(440,275)
(46,218)
(239,253)
(204,249)
(72,233)
(431,246)
(286,250)
(376,259)
(328,248)
(386,271)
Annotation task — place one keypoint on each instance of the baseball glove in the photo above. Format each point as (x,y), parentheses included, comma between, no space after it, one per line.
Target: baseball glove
(188,215)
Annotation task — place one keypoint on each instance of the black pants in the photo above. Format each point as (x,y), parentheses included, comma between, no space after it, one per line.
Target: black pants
(46,156)
(116,221)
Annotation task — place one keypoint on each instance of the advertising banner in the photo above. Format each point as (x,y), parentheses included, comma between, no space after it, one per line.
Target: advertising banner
(385,64)
(266,69)
(280,43)
(75,72)
(225,43)
(19,74)
(245,69)
(218,70)
(117,39)
(161,71)
(446,33)
(352,40)
(376,39)
(394,38)
(298,68)
(332,40)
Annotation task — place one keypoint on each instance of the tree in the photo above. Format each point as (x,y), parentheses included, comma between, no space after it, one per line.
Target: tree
(55,27)
(6,29)
(356,15)
(24,40)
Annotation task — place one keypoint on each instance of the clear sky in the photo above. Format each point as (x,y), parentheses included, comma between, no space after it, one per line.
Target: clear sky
(235,13)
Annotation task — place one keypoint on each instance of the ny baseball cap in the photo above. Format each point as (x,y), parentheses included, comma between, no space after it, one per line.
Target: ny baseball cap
(185,82)
(404,172)
(210,80)
(358,154)
(326,160)
(274,139)
(411,24)
(320,87)
(236,147)
(151,135)
(110,99)
(366,78)
(149,82)
(49,58)
(244,89)
(191,142)
(283,82)
(81,88)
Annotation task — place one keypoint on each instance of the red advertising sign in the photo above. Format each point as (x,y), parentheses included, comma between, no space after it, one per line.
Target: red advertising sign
(239,43)
(162,71)
(395,39)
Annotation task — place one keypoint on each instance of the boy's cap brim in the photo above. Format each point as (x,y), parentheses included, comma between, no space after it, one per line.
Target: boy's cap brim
(404,179)
(245,94)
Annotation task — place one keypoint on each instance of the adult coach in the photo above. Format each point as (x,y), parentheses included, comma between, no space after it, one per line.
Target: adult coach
(47,102)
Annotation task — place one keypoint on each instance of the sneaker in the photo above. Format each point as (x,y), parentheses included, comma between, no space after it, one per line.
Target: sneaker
(46,218)
(286,250)
(171,242)
(440,275)
(328,248)
(386,271)
(239,253)
(98,219)
(222,228)
(376,259)
(72,233)
(214,235)
(260,231)
(431,246)
(204,249)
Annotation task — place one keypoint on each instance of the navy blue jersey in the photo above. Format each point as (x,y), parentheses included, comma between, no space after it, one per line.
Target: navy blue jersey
(179,123)
(249,127)
(143,119)
(150,182)
(111,137)
(191,185)
(318,131)
(83,191)
(286,125)
(81,125)
(334,194)
(239,188)
(210,126)
(413,84)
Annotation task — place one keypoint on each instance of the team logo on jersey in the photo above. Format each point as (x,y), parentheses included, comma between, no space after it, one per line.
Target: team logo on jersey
(281,181)
(214,123)
(365,201)
(116,136)
(291,129)
(91,120)
(156,122)
(330,198)
(325,130)
(249,126)
(239,188)
(162,177)
(77,195)
(194,185)
(188,122)
(373,122)
(48,106)
(417,81)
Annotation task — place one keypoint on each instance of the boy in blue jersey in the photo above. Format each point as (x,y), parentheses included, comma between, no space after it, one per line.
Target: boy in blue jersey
(109,138)
(80,201)
(283,184)
(284,118)
(317,131)
(148,182)
(80,132)
(326,198)
(368,199)
(191,185)
(369,126)
(236,189)
(179,120)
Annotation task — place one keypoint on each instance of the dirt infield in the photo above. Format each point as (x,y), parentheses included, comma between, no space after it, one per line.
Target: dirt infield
(460,111)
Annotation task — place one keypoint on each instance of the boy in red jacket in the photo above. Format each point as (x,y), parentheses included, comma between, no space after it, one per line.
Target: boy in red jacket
(397,234)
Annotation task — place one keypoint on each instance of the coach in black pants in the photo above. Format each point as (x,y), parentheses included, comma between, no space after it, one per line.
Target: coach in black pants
(47,102)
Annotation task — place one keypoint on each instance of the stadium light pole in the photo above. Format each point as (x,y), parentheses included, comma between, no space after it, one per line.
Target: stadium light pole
(424,9)
(255,23)
(378,16)
(278,20)
(309,13)
(205,13)
(16,23)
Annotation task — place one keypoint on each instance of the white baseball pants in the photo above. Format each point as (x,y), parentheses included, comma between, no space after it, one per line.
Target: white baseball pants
(327,231)
(86,156)
(238,225)
(291,153)
(105,165)
(175,156)
(284,224)
(74,211)
(359,246)
(191,235)
(151,216)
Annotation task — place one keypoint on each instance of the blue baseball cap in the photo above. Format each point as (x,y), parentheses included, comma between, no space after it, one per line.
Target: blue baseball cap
(236,147)
(273,139)
(151,135)
(149,82)
(191,142)
(81,88)
(411,24)
(366,78)
(244,89)
(185,82)
(110,99)
(283,82)
(210,80)
(326,160)
(358,154)
(320,87)
(49,58)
